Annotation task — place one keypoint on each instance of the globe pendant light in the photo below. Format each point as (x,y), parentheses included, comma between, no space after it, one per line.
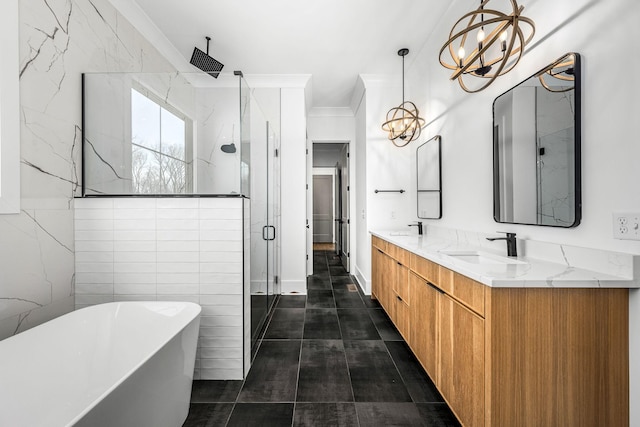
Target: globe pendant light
(496,48)
(403,123)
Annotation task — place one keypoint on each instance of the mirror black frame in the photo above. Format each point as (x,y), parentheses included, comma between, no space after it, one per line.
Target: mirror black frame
(577,144)
(437,139)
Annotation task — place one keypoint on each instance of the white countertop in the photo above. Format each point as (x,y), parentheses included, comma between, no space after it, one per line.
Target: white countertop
(521,272)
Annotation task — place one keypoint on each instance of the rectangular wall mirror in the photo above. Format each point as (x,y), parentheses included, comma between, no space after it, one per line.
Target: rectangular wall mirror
(429,179)
(536,148)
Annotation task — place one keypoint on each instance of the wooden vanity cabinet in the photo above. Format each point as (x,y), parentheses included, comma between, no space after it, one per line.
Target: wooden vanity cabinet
(461,349)
(448,336)
(425,319)
(558,357)
(379,266)
(510,356)
(400,299)
(390,286)
(378,247)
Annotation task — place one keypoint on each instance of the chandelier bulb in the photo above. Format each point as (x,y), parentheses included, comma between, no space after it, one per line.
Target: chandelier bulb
(480,36)
(461,54)
(503,40)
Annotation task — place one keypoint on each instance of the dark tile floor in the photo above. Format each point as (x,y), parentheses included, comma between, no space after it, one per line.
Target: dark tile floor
(330,358)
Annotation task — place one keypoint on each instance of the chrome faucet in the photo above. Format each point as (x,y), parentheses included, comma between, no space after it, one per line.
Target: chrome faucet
(419,225)
(512,250)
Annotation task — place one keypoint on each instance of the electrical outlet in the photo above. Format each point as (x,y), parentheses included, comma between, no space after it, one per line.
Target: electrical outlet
(393,214)
(626,225)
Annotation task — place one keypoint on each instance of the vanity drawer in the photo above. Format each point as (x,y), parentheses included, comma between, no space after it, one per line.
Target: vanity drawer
(399,254)
(379,243)
(467,291)
(425,268)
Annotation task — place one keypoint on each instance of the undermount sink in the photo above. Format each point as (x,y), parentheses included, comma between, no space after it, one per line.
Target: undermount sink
(481,258)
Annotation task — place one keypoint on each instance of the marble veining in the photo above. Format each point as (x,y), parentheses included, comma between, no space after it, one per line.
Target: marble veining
(59,40)
(570,268)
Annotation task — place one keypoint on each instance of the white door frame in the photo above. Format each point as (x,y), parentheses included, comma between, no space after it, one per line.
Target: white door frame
(350,149)
(326,171)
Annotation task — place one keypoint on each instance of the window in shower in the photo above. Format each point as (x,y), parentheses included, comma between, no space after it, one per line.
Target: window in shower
(160,146)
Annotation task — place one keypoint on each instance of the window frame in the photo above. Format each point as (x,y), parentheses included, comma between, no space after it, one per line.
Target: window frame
(188,137)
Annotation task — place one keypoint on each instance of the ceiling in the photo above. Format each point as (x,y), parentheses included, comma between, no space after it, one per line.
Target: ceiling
(332,40)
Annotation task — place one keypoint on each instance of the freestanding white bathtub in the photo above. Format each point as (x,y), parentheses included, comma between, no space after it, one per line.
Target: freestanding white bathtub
(117,364)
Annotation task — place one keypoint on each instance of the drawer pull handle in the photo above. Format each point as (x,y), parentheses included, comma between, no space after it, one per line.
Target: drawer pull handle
(435,287)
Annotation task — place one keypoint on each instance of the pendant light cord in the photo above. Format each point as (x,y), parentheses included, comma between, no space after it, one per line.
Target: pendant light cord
(403,79)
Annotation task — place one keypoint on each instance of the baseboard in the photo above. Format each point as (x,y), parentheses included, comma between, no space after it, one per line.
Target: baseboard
(293,287)
(364,284)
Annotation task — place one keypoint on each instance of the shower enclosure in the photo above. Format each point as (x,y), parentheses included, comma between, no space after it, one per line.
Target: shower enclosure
(265,208)
(188,136)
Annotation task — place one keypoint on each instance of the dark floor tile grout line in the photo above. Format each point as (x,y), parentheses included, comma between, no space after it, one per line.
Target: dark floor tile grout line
(261,340)
(390,355)
(336,308)
(404,382)
(326,261)
(295,394)
(346,359)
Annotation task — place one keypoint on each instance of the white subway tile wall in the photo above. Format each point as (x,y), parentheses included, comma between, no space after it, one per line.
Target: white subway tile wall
(172,249)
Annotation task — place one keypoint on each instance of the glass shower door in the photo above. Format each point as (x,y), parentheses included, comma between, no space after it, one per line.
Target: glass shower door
(265,214)
(273,214)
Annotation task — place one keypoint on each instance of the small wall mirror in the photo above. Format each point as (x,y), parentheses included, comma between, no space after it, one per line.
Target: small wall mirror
(536,148)
(429,179)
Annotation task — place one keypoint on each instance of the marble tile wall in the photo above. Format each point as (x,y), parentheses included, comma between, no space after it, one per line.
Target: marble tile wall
(171,249)
(59,40)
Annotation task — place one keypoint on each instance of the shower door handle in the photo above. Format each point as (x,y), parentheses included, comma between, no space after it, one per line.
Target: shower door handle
(266,234)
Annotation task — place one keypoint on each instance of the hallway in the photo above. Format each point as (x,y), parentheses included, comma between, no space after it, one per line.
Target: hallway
(330,358)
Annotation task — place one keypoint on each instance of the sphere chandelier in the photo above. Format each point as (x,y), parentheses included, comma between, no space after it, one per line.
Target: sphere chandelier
(496,48)
(403,123)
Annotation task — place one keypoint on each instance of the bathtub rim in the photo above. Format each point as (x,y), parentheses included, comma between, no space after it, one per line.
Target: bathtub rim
(128,374)
(192,314)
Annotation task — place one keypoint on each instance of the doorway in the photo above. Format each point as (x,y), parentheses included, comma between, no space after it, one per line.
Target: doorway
(323,208)
(330,198)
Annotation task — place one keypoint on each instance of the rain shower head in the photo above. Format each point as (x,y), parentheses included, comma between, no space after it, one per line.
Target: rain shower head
(205,62)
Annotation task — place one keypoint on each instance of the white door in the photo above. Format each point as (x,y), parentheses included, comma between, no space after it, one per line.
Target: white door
(344,208)
(322,209)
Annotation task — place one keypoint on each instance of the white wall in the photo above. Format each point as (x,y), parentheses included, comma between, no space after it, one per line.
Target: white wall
(37,245)
(361,262)
(326,156)
(293,180)
(9,110)
(464,120)
(386,167)
(331,125)
(338,125)
(610,150)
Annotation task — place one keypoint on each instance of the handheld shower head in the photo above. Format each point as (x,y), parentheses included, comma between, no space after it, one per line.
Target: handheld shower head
(228,148)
